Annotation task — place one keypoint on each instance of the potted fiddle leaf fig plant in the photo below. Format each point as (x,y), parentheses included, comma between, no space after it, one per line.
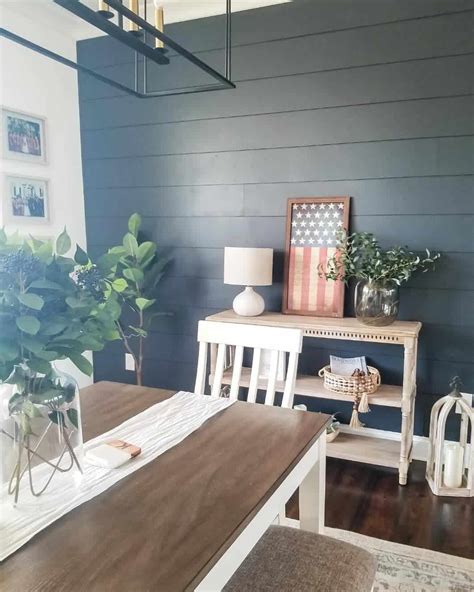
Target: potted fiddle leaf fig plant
(45,315)
(379,274)
(132,272)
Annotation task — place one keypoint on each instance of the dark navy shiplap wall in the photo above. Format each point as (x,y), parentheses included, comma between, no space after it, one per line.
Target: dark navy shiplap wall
(369,99)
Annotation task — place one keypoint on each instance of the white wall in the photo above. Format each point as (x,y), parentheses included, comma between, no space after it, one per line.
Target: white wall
(32,83)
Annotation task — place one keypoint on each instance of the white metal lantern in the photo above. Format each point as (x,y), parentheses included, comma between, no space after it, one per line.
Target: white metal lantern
(450,466)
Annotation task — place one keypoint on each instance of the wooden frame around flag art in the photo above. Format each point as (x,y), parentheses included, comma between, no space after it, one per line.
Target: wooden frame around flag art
(311,227)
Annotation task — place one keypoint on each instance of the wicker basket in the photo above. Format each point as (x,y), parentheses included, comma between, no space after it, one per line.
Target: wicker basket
(351,385)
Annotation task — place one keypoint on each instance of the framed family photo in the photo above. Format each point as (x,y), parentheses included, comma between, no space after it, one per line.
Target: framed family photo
(25,200)
(313,225)
(23,136)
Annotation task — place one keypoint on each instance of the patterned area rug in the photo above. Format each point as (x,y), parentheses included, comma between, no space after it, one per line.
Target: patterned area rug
(411,569)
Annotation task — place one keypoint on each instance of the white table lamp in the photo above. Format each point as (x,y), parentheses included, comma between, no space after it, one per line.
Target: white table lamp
(248,267)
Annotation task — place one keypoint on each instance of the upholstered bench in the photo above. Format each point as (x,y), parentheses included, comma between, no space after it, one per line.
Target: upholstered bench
(291,560)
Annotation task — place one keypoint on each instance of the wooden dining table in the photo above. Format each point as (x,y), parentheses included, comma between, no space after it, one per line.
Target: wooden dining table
(186,520)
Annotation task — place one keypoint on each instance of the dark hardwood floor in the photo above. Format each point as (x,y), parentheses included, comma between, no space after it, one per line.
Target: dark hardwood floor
(368,500)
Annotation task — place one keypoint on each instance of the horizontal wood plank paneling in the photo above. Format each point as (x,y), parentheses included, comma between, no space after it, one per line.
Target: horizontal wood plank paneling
(368,123)
(380,44)
(380,197)
(454,269)
(418,232)
(399,158)
(439,77)
(374,103)
(281,22)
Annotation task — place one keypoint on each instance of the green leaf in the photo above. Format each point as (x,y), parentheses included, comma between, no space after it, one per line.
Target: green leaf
(107,262)
(130,244)
(25,424)
(45,253)
(41,366)
(113,308)
(31,301)
(119,285)
(138,332)
(32,344)
(73,417)
(44,284)
(57,417)
(119,250)
(53,327)
(112,335)
(28,324)
(31,410)
(8,350)
(134,274)
(82,363)
(47,355)
(69,392)
(63,243)
(35,243)
(80,256)
(144,303)
(134,224)
(146,251)
(74,302)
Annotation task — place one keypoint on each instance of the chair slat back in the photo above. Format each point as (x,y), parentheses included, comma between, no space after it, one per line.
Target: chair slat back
(278,340)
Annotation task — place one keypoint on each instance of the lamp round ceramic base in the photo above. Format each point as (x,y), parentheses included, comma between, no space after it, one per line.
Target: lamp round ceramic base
(248,303)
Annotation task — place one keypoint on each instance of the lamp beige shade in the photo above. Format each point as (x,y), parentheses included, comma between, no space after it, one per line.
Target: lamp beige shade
(248,266)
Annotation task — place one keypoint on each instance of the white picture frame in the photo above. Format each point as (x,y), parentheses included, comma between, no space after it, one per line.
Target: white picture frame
(23,136)
(26,200)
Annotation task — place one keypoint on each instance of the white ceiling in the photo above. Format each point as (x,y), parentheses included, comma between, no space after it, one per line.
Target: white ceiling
(47,12)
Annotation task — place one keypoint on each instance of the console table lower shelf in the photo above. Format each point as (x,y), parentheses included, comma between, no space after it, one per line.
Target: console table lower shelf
(355,446)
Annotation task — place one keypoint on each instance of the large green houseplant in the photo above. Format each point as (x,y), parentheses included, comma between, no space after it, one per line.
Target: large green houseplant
(131,272)
(379,273)
(46,314)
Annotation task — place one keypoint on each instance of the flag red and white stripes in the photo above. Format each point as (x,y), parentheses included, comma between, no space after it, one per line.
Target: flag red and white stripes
(313,240)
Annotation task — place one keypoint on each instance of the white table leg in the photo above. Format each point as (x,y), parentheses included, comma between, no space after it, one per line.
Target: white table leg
(312,493)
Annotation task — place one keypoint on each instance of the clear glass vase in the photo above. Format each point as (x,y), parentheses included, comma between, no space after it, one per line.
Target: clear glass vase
(40,433)
(376,303)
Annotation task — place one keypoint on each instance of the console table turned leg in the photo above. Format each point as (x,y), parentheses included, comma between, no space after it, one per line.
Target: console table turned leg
(408,408)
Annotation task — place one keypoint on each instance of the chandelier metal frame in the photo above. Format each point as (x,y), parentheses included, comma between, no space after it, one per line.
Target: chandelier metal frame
(140,47)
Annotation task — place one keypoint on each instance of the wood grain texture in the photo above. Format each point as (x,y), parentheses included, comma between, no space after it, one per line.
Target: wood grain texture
(163,527)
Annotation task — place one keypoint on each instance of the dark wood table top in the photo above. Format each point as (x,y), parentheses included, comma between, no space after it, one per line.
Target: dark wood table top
(165,526)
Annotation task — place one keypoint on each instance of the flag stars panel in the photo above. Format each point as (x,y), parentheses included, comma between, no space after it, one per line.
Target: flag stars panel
(313,227)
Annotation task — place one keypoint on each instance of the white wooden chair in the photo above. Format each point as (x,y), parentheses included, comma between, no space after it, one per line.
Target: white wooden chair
(219,336)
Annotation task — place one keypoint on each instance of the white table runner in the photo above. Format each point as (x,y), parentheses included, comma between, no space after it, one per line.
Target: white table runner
(155,430)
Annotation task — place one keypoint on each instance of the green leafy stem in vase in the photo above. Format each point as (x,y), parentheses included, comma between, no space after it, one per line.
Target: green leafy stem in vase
(45,315)
(360,256)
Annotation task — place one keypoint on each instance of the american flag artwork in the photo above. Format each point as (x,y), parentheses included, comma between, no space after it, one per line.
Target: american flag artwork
(314,225)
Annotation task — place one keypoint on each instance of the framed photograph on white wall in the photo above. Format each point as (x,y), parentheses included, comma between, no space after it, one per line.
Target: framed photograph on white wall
(23,136)
(25,200)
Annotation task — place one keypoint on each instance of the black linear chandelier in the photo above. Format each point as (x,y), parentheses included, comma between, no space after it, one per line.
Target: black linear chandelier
(148,42)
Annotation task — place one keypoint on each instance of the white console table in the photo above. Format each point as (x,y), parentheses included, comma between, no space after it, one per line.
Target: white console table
(353,444)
